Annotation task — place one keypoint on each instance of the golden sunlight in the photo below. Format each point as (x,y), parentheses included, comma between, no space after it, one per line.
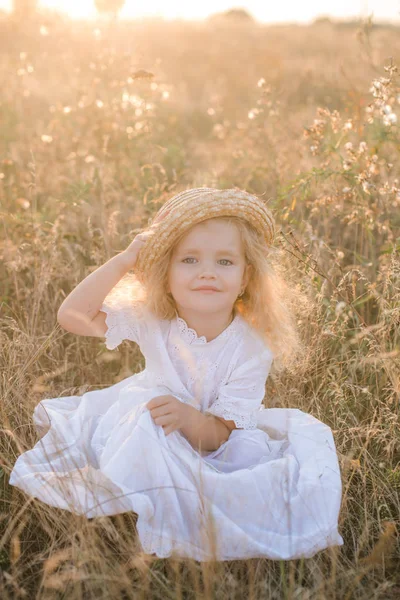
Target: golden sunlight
(284,11)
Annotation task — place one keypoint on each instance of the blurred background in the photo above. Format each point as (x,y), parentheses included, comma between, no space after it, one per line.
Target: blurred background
(285,11)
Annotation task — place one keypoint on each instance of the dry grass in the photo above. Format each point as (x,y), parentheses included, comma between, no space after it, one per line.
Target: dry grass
(97,130)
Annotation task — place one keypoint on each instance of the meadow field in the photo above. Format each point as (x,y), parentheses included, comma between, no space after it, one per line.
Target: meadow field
(100,124)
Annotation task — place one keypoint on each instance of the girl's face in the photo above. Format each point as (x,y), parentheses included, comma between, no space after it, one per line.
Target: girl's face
(210,254)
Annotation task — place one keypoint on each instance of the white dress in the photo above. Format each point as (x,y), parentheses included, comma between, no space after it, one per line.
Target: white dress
(272,490)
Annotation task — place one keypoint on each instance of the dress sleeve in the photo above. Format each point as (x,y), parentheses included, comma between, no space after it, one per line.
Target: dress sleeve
(125,314)
(241,397)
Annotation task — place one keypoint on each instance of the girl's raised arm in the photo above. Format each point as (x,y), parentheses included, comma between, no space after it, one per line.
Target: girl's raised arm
(79,313)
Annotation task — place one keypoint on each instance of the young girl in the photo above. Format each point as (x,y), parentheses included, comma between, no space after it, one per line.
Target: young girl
(186,443)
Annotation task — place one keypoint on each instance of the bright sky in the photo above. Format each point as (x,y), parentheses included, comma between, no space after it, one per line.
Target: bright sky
(266,12)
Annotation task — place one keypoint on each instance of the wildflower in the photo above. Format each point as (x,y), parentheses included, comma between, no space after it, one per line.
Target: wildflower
(362,147)
(366,186)
(347,165)
(340,306)
(390,119)
(319,123)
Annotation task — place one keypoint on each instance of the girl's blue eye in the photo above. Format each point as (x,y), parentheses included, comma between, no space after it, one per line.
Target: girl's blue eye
(191,258)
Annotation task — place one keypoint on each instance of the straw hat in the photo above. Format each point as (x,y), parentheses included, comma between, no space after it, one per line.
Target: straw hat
(192,206)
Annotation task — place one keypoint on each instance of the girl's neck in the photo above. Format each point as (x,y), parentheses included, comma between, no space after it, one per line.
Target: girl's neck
(205,326)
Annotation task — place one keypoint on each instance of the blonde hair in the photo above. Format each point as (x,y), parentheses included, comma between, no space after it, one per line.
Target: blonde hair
(266,304)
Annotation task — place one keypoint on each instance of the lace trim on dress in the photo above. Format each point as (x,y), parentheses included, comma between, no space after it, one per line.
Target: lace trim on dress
(248,421)
(124,309)
(121,325)
(190,335)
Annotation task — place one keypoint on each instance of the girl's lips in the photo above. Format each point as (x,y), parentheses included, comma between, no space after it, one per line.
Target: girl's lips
(207,291)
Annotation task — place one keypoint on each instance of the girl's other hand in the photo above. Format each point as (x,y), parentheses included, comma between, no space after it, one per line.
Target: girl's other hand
(169,412)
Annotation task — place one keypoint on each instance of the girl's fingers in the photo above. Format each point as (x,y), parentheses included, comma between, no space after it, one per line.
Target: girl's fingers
(158,401)
(165,420)
(162,411)
(168,430)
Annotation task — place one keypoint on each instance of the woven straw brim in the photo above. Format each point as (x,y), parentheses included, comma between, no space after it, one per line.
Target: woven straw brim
(193,206)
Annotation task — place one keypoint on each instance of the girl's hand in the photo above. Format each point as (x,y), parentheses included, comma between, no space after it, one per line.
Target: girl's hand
(132,251)
(169,412)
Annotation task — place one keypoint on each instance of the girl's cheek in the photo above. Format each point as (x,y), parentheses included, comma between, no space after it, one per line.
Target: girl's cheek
(177,270)
(179,273)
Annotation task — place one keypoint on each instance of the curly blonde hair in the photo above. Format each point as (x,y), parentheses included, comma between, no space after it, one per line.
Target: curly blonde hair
(266,304)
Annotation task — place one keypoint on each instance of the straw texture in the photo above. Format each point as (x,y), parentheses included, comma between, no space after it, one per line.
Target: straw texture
(193,206)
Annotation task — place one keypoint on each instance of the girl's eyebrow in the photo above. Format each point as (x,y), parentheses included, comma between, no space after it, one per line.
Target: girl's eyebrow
(194,251)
